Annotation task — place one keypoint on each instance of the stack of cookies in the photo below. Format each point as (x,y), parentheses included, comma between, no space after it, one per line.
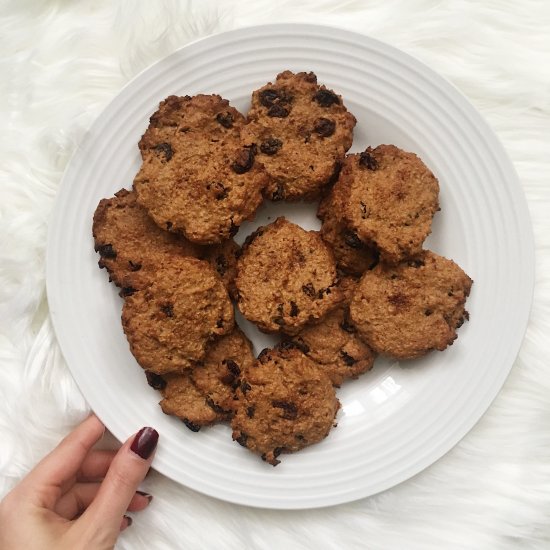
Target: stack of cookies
(361,286)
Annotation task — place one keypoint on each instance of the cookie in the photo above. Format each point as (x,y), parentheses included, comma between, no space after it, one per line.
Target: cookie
(169,324)
(285,403)
(131,245)
(197,178)
(334,345)
(407,310)
(352,255)
(183,399)
(302,131)
(286,277)
(390,198)
(219,373)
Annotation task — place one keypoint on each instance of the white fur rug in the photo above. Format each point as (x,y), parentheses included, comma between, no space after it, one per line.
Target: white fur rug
(61,62)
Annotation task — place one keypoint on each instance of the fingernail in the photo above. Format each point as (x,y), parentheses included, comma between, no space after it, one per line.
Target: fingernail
(129,520)
(146,495)
(145,442)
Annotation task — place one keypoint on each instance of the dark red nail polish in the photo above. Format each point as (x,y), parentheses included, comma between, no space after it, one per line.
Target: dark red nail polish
(129,520)
(145,442)
(146,495)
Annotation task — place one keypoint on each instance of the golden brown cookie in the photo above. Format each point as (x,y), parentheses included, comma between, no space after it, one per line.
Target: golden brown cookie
(197,178)
(389,200)
(218,375)
(286,277)
(407,310)
(302,131)
(352,255)
(131,246)
(285,403)
(169,324)
(333,343)
(183,399)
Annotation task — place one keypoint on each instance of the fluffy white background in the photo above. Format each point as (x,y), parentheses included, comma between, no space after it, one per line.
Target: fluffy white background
(62,61)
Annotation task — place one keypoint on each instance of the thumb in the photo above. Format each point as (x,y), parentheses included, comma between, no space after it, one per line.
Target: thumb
(127,471)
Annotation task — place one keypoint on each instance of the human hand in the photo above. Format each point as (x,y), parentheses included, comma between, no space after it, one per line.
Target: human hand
(63,504)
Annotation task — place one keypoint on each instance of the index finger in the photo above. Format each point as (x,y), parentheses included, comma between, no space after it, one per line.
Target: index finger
(65,460)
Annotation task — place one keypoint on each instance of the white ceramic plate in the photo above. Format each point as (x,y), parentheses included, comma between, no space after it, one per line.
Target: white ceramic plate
(396,420)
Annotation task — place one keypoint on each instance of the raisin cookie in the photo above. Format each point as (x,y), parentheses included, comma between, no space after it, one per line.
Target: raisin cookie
(285,403)
(352,255)
(407,310)
(131,245)
(302,131)
(286,277)
(197,178)
(183,399)
(169,324)
(334,345)
(218,375)
(390,198)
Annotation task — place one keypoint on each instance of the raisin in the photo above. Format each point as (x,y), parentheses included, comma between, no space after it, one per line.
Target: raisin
(324,127)
(106,251)
(127,291)
(279,193)
(348,359)
(309,290)
(232,367)
(268,97)
(164,149)
(134,266)
(242,439)
(352,240)
(293,344)
(294,309)
(277,111)
(155,380)
(215,407)
(219,323)
(245,387)
(270,146)
(326,98)
(366,160)
(250,411)
(191,425)
(428,312)
(225,119)
(167,309)
(415,263)
(290,411)
(244,161)
(347,326)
